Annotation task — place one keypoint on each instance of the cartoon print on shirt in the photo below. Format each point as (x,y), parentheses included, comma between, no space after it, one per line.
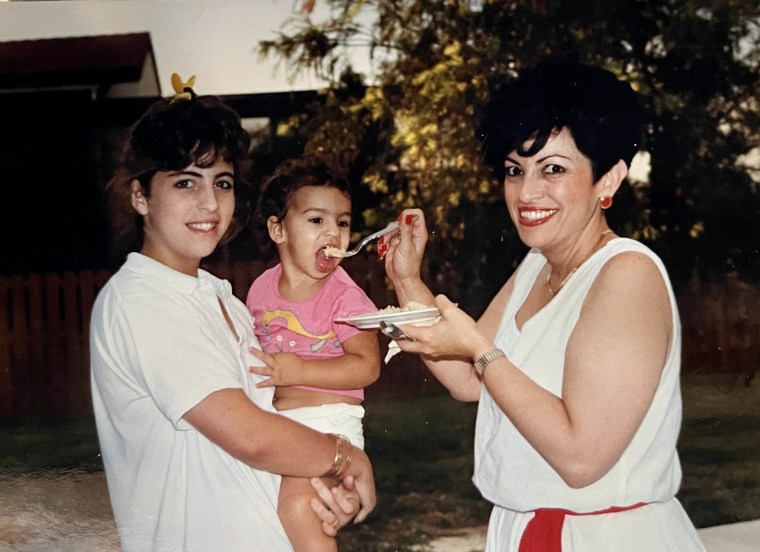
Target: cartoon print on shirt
(292,323)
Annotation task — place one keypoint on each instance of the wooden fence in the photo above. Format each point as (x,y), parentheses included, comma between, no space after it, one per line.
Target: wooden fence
(44,333)
(43,342)
(721,328)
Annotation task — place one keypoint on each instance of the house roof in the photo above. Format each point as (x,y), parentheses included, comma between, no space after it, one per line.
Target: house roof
(123,68)
(78,61)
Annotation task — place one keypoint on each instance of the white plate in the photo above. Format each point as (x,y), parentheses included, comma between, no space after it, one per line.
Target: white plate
(372,320)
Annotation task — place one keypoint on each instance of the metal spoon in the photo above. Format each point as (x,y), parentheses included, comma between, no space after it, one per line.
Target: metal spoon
(335,252)
(394,332)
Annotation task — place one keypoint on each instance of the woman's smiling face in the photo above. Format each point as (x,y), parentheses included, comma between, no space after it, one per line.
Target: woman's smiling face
(186,213)
(551,195)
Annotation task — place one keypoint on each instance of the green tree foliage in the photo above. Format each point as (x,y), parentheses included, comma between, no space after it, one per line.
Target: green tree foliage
(411,134)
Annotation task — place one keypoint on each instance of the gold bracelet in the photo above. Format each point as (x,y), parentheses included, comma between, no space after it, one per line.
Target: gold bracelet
(346,462)
(343,453)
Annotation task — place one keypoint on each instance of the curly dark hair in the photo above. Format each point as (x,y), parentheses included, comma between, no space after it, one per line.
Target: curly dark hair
(602,113)
(278,189)
(170,136)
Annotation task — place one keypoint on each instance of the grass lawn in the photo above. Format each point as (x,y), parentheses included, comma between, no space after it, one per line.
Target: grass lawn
(720,450)
(421,447)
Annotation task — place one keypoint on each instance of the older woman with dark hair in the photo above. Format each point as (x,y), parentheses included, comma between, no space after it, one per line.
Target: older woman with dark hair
(576,360)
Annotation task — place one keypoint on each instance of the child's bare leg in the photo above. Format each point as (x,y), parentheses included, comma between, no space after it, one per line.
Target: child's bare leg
(303,527)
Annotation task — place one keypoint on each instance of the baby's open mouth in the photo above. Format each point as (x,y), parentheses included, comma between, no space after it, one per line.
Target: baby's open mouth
(324,262)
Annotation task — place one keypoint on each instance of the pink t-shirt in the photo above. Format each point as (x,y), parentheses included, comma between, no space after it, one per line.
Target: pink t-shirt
(307,328)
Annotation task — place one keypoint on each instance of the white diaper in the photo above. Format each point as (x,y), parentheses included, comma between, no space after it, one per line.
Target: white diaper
(341,418)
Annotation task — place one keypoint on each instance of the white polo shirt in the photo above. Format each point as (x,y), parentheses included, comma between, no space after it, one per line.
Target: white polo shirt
(159,344)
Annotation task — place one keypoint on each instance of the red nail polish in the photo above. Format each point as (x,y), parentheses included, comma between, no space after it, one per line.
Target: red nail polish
(409,219)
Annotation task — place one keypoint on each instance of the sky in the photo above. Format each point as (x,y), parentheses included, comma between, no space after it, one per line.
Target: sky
(216,40)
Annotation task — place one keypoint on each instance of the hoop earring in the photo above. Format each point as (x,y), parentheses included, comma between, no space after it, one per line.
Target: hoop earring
(605,202)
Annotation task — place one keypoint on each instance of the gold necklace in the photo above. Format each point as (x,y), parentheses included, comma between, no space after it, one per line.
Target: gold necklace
(563,282)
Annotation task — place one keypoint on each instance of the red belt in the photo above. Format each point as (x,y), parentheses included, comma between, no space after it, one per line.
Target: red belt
(544,532)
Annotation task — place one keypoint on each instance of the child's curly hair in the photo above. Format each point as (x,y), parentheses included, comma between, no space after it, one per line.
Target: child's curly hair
(278,189)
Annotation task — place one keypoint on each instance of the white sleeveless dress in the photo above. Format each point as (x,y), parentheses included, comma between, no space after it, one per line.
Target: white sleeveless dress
(517,480)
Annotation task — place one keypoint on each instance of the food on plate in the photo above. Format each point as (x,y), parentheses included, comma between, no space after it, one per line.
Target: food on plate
(412,313)
(410,306)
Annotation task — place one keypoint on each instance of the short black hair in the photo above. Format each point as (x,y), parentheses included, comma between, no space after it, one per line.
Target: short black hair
(602,112)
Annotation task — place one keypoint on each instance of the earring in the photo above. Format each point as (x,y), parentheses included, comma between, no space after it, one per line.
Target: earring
(605,202)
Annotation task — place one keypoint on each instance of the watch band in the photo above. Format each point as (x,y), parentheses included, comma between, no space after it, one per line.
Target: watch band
(486,358)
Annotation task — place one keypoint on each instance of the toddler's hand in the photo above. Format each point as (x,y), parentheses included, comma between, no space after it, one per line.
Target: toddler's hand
(282,369)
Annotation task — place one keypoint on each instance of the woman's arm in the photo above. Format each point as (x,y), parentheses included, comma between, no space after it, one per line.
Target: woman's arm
(273,443)
(613,363)
(458,374)
(403,254)
(357,368)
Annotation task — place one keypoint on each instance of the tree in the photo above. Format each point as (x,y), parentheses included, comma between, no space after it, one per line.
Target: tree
(412,133)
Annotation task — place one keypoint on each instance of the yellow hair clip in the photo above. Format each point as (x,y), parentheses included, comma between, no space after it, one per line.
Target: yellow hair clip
(183,90)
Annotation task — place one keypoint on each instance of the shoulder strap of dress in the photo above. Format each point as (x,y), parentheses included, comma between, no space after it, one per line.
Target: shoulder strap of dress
(622,245)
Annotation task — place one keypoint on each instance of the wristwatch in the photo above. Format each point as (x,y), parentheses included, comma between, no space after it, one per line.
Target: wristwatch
(486,358)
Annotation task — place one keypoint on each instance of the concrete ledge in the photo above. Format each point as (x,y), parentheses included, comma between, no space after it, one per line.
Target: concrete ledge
(734,537)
